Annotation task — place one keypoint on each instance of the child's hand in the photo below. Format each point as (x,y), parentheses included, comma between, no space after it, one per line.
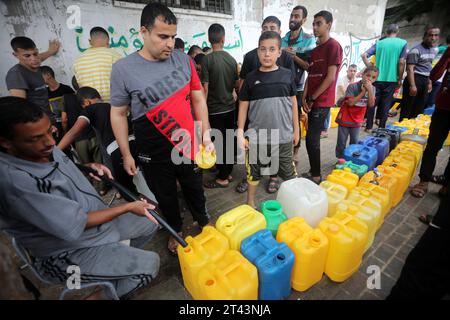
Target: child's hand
(242,142)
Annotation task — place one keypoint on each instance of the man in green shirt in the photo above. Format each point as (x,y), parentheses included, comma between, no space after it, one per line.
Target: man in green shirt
(220,80)
(390,54)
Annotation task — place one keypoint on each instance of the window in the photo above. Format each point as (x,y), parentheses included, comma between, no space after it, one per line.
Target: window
(219,6)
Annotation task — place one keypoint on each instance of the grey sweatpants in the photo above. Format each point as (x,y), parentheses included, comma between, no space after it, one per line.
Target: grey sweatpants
(128,268)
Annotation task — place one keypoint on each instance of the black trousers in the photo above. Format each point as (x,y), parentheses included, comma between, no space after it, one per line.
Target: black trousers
(426,273)
(222,122)
(316,121)
(410,106)
(162,181)
(120,175)
(439,128)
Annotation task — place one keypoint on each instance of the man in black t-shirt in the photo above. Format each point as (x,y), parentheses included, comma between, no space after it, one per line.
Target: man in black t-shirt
(251,62)
(96,113)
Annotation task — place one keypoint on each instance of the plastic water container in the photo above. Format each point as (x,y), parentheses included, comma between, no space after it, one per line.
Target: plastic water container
(205,160)
(401,176)
(208,246)
(357,169)
(274,262)
(397,128)
(413,148)
(334,112)
(310,247)
(430,110)
(410,155)
(415,136)
(388,182)
(335,194)
(360,154)
(240,223)
(367,210)
(377,193)
(347,236)
(301,197)
(447,141)
(393,134)
(344,177)
(273,213)
(231,278)
(380,144)
(403,163)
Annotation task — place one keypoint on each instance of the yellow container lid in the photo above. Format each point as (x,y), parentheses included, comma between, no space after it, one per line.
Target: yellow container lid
(205,160)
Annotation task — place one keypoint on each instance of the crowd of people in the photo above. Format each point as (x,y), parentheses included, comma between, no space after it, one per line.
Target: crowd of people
(152,110)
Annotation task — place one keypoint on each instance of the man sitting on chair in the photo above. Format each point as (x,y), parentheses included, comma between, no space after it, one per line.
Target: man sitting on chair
(52,210)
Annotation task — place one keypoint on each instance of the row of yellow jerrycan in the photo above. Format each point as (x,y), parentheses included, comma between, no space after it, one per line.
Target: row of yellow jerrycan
(212,269)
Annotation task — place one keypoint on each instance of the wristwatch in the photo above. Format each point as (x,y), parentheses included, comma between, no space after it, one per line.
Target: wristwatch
(310,99)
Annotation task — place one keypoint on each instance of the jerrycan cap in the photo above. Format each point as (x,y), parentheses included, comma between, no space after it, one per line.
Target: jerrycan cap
(341,161)
(333,228)
(356,154)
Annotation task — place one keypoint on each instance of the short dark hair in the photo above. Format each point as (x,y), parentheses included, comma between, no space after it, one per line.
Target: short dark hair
(370,68)
(216,32)
(305,12)
(272,19)
(22,43)
(192,48)
(75,83)
(270,35)
(98,32)
(87,93)
(154,10)
(428,28)
(206,49)
(353,66)
(15,110)
(47,70)
(179,43)
(199,58)
(326,15)
(392,28)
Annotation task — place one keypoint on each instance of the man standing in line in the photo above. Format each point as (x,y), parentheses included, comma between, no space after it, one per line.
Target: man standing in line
(320,90)
(93,67)
(160,84)
(390,54)
(417,84)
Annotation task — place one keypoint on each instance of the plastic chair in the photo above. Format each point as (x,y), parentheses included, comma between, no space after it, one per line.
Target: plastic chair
(25,256)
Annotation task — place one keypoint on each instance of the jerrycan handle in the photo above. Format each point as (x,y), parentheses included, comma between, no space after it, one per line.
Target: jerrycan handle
(245,217)
(376,176)
(356,154)
(231,268)
(416,131)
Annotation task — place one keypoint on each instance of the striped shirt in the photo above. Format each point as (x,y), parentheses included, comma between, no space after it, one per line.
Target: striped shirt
(93,69)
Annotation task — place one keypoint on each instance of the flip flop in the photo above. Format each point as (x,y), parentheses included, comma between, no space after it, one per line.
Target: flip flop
(213,184)
(172,244)
(426,218)
(273,186)
(242,187)
(438,179)
(419,190)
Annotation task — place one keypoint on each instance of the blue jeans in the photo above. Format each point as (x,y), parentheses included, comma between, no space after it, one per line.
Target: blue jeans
(343,133)
(384,97)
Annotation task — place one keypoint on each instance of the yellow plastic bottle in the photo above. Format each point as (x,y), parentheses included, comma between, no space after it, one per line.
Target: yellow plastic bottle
(401,175)
(424,132)
(208,246)
(370,190)
(335,194)
(347,236)
(205,160)
(334,112)
(401,163)
(344,177)
(240,223)
(310,247)
(231,278)
(388,182)
(367,210)
(407,155)
(412,147)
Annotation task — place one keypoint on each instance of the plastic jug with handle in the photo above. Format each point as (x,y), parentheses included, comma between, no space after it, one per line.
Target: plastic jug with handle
(347,237)
(386,181)
(380,144)
(344,177)
(361,154)
(358,169)
(377,193)
(205,160)
(310,247)
(273,213)
(335,194)
(239,223)
(301,197)
(403,163)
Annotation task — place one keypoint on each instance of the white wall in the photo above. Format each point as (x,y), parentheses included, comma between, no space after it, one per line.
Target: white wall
(48,19)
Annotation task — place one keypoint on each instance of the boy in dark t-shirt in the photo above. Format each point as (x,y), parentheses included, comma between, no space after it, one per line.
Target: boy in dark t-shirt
(268,96)
(97,114)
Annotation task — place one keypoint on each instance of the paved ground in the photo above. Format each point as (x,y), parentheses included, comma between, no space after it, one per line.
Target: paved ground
(395,239)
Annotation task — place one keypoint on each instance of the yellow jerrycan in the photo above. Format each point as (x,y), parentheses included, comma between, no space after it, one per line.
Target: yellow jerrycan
(240,223)
(344,177)
(347,237)
(411,147)
(208,246)
(403,154)
(367,210)
(401,175)
(231,278)
(205,160)
(388,182)
(372,191)
(310,247)
(335,194)
(402,163)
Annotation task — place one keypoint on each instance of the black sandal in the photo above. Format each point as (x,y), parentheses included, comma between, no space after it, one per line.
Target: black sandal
(273,186)
(438,179)
(242,186)
(213,184)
